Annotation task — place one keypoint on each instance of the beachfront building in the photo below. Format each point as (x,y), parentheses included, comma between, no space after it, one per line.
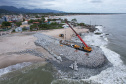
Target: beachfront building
(25,23)
(34,18)
(56,21)
(26,26)
(18,29)
(46,18)
(65,26)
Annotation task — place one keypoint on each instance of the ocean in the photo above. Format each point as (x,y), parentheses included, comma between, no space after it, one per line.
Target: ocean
(112,45)
(114,25)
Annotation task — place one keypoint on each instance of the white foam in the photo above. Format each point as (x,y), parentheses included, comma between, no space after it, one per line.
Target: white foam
(112,75)
(95,40)
(13,68)
(112,56)
(99,29)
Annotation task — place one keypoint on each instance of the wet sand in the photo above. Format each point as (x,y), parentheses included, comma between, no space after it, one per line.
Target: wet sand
(15,43)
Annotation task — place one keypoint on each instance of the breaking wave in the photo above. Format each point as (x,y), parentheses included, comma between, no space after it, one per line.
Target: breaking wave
(112,75)
(14,68)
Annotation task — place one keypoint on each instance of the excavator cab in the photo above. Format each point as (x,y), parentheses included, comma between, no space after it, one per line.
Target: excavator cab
(76,46)
(88,49)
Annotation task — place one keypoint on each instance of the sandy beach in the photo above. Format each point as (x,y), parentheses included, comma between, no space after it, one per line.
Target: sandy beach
(68,32)
(22,41)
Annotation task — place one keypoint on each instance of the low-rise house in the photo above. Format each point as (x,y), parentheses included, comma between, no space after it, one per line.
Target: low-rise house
(18,29)
(8,26)
(56,21)
(34,18)
(52,22)
(46,18)
(25,23)
(25,26)
(35,22)
(65,26)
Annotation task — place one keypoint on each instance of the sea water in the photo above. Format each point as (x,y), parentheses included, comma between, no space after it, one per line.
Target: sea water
(114,25)
(27,73)
(112,45)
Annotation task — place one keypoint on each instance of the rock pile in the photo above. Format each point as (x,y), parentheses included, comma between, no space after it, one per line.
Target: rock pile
(66,58)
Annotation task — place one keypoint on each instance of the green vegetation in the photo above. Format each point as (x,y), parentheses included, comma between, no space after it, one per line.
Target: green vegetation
(13,31)
(81,24)
(34,27)
(74,20)
(30,21)
(39,20)
(37,16)
(43,19)
(4,29)
(45,26)
(23,19)
(42,25)
(18,23)
(24,29)
(65,20)
(6,24)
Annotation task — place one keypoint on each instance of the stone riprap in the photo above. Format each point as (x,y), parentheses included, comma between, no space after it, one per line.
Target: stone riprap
(95,58)
(69,62)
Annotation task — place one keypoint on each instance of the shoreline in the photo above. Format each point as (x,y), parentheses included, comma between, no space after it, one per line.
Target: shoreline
(10,44)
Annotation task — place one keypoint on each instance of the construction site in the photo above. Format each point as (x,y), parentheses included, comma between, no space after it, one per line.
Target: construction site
(72,59)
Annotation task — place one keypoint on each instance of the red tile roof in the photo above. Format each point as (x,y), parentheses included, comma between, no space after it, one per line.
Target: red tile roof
(10,21)
(36,22)
(45,21)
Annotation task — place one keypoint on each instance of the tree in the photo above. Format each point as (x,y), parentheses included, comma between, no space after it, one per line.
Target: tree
(82,24)
(54,23)
(49,19)
(43,19)
(18,23)
(65,20)
(37,16)
(53,19)
(6,24)
(30,21)
(74,20)
(34,27)
(23,19)
(40,21)
(44,26)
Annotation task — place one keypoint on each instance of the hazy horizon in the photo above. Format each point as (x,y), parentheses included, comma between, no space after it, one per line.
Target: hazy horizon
(80,6)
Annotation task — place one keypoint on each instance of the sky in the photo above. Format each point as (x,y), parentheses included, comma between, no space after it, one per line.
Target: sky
(77,6)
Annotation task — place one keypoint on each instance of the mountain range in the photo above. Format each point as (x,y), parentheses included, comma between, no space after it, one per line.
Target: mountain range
(12,9)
